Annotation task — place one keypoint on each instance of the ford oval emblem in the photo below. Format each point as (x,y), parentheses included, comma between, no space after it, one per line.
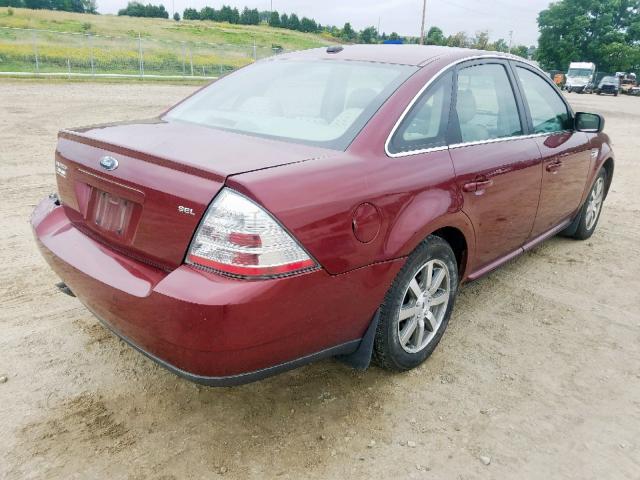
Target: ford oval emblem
(108,163)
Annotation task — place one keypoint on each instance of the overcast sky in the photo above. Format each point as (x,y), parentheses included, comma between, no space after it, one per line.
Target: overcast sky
(402,16)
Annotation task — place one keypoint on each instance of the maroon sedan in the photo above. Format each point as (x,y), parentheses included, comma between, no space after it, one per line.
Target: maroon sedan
(321,203)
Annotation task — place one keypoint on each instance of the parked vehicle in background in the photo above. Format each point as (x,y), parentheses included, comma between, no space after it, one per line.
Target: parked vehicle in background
(579,76)
(608,86)
(318,203)
(627,82)
(558,78)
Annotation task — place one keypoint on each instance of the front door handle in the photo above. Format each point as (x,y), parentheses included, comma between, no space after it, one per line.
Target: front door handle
(554,166)
(477,185)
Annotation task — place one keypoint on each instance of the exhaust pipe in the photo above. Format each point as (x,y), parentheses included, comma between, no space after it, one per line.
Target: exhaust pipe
(65,289)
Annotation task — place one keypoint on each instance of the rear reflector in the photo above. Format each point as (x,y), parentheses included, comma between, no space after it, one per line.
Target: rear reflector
(238,237)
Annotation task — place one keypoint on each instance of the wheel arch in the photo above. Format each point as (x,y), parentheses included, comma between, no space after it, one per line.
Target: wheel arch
(458,243)
(605,160)
(455,228)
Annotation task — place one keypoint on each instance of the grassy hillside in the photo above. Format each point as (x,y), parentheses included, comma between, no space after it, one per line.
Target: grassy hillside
(160,29)
(108,44)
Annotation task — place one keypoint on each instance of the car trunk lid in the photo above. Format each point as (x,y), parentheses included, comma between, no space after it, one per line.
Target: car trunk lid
(143,187)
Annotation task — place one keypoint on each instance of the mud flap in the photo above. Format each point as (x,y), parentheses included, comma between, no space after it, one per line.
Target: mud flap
(361,358)
(572,228)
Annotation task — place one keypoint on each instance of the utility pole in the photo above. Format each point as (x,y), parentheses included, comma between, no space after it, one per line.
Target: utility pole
(424,13)
(510,39)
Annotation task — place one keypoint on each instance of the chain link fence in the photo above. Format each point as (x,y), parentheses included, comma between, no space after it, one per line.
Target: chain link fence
(45,52)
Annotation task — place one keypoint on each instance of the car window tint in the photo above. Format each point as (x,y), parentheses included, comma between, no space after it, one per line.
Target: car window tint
(324,103)
(485,104)
(426,124)
(548,111)
(290,93)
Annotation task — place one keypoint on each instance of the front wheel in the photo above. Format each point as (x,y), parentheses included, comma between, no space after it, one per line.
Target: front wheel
(590,213)
(417,307)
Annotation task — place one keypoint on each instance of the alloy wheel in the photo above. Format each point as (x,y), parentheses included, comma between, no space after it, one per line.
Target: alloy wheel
(424,306)
(595,203)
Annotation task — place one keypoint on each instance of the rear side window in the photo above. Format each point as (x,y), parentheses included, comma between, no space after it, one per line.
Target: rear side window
(548,112)
(485,104)
(426,124)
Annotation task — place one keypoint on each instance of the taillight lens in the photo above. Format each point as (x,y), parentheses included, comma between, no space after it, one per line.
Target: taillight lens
(240,238)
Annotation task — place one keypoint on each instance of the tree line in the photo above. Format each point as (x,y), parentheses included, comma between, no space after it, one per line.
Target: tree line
(479,41)
(78,6)
(347,33)
(224,14)
(137,9)
(274,19)
(253,17)
(605,32)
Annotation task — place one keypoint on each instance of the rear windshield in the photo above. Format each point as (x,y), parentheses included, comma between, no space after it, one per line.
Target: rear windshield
(321,102)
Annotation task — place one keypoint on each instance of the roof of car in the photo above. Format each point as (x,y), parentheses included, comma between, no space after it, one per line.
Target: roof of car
(399,54)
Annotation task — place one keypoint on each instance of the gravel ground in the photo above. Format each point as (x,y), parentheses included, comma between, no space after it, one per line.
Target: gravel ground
(537,377)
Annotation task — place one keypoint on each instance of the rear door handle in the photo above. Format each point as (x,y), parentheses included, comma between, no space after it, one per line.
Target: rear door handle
(554,166)
(477,185)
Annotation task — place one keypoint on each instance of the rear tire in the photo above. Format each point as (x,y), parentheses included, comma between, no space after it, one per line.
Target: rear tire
(417,307)
(592,208)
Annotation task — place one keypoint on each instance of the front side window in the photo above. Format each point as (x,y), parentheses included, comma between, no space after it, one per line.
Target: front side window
(548,112)
(318,102)
(426,124)
(485,104)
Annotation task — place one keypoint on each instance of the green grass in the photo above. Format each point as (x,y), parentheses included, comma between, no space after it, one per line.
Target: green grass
(110,43)
(160,29)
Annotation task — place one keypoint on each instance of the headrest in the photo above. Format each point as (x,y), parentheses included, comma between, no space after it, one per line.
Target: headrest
(466,106)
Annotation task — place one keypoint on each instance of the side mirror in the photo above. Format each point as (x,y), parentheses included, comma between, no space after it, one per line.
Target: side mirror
(589,122)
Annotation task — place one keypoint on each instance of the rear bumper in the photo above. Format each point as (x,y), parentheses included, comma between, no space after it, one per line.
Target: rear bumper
(209,328)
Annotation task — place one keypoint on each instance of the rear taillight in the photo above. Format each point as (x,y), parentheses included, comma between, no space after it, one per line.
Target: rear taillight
(238,237)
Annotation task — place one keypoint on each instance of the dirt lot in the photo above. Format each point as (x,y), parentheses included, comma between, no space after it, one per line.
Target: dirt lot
(539,370)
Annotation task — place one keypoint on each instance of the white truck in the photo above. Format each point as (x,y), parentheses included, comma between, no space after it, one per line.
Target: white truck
(580,76)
